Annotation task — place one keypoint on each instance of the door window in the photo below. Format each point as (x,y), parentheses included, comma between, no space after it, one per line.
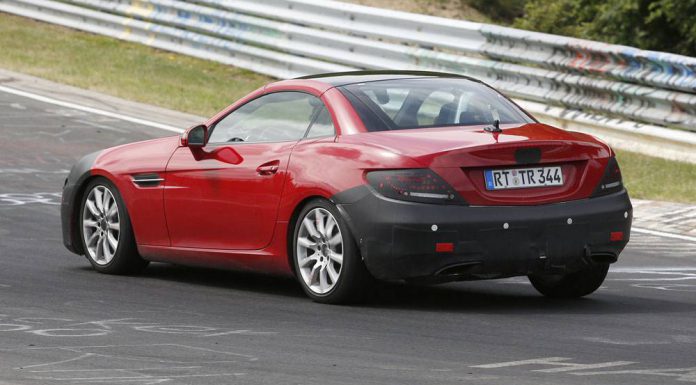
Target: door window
(276,117)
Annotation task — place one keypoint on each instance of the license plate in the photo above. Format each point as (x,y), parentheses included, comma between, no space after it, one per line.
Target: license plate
(523,178)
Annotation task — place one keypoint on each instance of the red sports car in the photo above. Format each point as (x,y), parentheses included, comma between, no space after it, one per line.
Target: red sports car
(340,179)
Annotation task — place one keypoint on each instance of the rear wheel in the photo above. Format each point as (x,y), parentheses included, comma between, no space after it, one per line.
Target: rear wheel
(572,285)
(107,236)
(326,258)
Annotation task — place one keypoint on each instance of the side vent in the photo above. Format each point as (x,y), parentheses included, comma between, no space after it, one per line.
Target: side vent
(147,180)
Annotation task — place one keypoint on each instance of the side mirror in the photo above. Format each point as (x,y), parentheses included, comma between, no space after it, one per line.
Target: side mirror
(196,136)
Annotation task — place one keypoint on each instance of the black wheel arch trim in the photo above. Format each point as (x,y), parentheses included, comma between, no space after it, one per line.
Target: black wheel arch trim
(70,201)
(346,198)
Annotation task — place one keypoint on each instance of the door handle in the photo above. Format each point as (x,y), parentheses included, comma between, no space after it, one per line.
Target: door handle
(268,168)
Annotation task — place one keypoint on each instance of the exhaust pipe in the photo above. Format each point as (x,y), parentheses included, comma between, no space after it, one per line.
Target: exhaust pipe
(603,259)
(457,270)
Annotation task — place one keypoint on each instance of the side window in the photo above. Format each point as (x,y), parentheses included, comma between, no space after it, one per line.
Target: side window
(276,117)
(323,125)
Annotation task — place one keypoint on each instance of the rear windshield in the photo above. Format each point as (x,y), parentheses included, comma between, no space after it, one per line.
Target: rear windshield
(430,102)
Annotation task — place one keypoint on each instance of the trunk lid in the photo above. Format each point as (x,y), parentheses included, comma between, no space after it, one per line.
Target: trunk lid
(461,155)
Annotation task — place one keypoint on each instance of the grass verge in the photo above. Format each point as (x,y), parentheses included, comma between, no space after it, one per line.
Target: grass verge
(178,82)
(127,70)
(647,177)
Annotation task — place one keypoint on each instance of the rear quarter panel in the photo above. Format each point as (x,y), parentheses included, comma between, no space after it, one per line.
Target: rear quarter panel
(328,166)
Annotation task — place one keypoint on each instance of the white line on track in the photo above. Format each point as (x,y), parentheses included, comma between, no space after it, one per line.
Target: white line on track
(652,270)
(91,110)
(663,234)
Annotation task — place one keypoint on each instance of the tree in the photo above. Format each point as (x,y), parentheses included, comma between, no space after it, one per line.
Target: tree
(661,25)
(498,10)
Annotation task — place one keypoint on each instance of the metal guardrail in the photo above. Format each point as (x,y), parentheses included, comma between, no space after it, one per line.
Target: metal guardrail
(288,38)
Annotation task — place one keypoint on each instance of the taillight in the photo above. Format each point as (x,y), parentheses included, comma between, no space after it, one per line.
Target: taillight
(413,185)
(611,181)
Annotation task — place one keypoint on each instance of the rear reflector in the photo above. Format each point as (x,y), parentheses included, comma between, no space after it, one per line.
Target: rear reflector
(444,247)
(616,236)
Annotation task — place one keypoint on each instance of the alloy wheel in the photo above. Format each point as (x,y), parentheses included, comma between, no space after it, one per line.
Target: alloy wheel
(101,227)
(319,251)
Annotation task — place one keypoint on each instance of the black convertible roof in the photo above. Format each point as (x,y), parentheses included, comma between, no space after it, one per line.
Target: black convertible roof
(344,78)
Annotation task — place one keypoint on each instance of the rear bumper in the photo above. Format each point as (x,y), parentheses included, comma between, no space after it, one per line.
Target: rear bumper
(398,241)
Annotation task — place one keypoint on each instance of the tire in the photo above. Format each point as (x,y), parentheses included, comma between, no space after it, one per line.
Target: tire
(101,226)
(324,277)
(574,285)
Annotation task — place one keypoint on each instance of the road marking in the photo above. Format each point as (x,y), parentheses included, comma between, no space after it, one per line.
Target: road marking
(244,332)
(681,374)
(653,270)
(13,327)
(69,332)
(670,287)
(533,361)
(91,110)
(20,199)
(83,356)
(111,364)
(570,367)
(657,274)
(147,378)
(104,327)
(31,171)
(39,320)
(563,367)
(663,234)
(175,329)
(114,370)
(664,284)
(559,363)
(632,342)
(659,278)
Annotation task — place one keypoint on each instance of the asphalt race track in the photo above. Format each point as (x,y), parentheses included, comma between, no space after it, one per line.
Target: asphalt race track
(62,323)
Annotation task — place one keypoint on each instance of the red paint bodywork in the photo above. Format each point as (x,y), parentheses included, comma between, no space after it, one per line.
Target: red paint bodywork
(217,208)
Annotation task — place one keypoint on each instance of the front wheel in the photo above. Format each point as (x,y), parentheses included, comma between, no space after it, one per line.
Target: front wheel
(107,235)
(326,259)
(573,285)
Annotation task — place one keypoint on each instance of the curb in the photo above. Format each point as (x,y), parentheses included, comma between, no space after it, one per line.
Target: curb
(665,218)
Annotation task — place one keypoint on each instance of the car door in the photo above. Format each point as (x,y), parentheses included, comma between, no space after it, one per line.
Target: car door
(225,195)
